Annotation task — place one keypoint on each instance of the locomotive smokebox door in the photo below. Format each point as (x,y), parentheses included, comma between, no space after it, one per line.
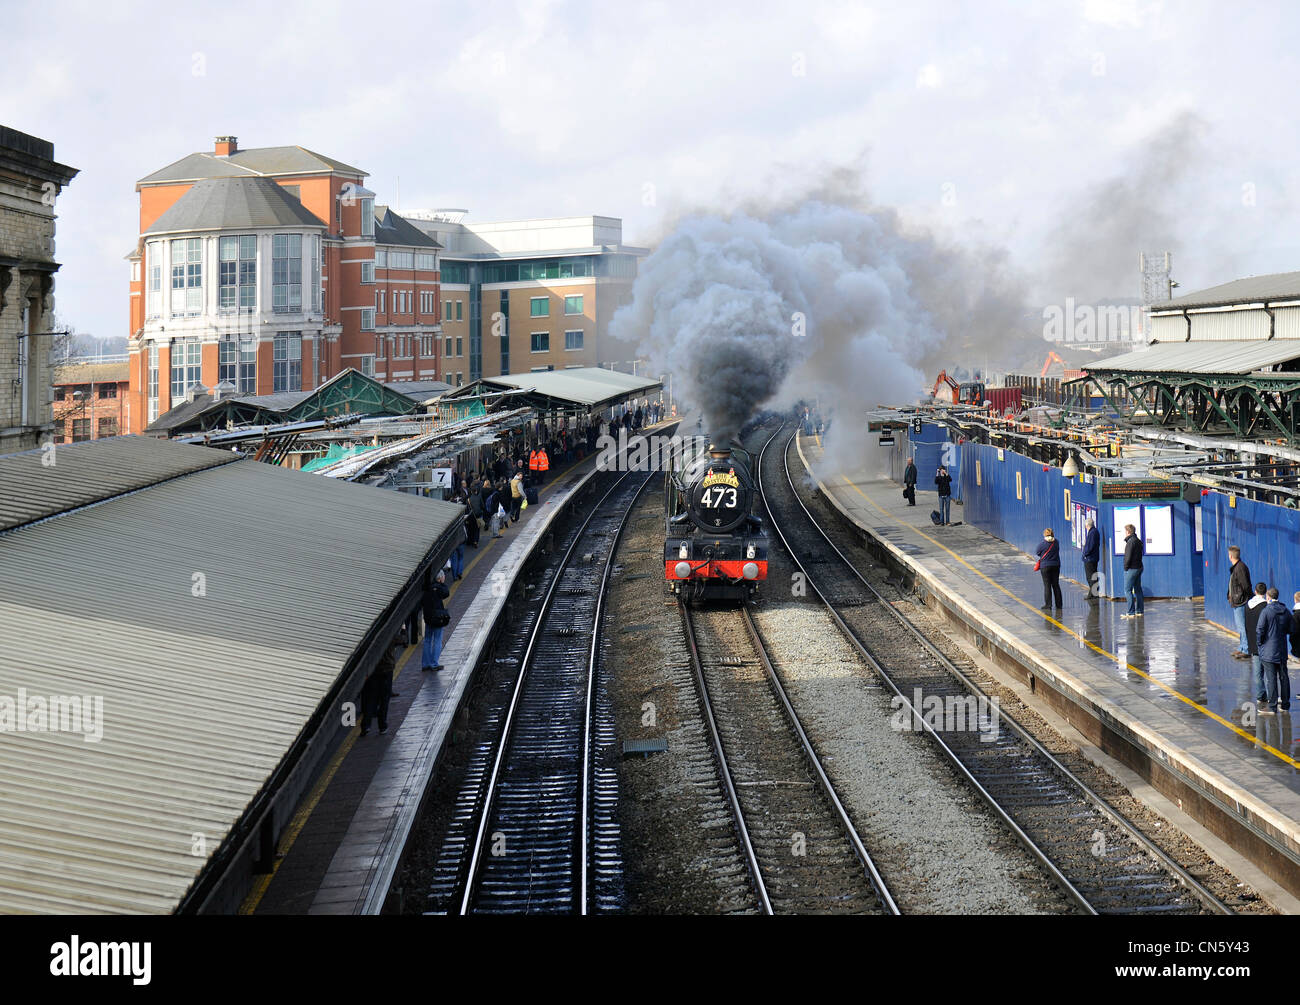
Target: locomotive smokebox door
(719,500)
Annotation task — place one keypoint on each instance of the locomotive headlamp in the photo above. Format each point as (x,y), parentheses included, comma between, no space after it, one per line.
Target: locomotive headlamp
(751,551)
(683,552)
(683,570)
(749,570)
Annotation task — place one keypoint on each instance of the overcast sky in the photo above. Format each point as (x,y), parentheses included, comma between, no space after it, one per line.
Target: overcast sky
(1068,132)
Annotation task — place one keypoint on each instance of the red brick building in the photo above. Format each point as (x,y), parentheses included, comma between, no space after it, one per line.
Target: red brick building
(89,401)
(271,270)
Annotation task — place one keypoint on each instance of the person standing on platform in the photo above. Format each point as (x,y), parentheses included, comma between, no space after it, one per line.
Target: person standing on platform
(516,495)
(1133,551)
(1274,633)
(909,482)
(943,482)
(436,619)
(1254,607)
(1295,627)
(471,524)
(1091,555)
(1049,567)
(1238,597)
(377,692)
(544,462)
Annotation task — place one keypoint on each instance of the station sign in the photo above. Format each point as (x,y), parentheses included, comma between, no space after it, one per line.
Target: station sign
(884,426)
(1138,490)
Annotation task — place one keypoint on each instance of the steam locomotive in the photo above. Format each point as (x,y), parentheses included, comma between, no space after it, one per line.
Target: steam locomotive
(715,547)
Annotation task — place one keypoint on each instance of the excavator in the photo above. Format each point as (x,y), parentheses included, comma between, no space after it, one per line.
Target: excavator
(968,393)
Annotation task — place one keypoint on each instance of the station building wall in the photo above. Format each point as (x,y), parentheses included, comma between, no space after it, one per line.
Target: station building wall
(1017,510)
(1267,536)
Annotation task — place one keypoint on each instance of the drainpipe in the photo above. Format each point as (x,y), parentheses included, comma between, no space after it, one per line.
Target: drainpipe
(1188,318)
(1271,320)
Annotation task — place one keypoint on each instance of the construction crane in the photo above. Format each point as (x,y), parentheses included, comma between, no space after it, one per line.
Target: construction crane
(969,393)
(1047,364)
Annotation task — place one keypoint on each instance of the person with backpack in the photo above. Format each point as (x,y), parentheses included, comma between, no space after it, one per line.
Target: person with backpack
(1049,567)
(1133,551)
(436,619)
(1274,631)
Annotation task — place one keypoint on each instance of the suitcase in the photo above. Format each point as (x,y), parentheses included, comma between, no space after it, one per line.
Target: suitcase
(530,494)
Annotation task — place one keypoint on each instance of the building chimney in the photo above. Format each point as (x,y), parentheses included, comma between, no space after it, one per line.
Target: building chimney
(227,145)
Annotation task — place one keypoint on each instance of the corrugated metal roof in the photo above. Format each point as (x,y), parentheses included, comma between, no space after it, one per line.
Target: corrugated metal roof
(1251,290)
(1201,357)
(587,386)
(203,696)
(418,389)
(39,483)
(249,163)
(232,203)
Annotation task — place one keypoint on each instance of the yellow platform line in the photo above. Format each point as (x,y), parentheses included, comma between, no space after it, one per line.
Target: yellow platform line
(1112,657)
(308,806)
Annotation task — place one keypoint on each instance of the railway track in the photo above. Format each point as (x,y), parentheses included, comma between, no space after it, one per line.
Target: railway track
(803,853)
(534,830)
(1096,856)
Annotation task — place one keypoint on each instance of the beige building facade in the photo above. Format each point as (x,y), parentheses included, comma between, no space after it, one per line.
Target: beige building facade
(30,182)
(530,294)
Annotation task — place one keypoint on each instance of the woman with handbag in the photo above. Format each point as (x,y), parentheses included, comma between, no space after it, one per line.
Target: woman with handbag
(1049,567)
(436,619)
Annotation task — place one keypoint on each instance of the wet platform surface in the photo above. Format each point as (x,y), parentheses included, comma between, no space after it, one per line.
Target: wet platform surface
(1171,669)
(367,796)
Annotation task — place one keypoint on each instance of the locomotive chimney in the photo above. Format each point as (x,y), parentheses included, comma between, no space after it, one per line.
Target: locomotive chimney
(719,452)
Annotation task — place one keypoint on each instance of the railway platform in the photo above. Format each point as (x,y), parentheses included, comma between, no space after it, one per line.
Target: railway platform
(341,851)
(1161,694)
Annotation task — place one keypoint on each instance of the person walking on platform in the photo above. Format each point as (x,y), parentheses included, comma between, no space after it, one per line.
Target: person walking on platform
(471,524)
(1295,627)
(377,692)
(1274,633)
(1254,607)
(1091,556)
(1238,596)
(943,482)
(516,495)
(436,619)
(909,482)
(1133,551)
(1049,567)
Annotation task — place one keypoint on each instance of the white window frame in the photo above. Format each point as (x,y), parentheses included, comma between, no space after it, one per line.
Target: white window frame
(367,273)
(573,296)
(367,319)
(532,335)
(544,300)
(581,340)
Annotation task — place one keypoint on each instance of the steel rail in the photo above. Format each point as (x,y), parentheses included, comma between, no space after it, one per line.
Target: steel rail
(507,727)
(1184,877)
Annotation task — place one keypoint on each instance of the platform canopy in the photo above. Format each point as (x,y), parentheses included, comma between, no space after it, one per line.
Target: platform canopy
(348,393)
(583,387)
(1201,357)
(216,610)
(1249,388)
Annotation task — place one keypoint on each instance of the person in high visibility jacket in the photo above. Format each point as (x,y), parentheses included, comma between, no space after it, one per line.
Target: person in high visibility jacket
(543,463)
(534,466)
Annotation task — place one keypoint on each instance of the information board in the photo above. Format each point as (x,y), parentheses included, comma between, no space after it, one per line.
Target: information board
(1137,489)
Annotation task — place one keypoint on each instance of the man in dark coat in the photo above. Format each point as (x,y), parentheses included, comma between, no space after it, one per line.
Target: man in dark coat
(1238,596)
(909,482)
(435,617)
(1274,632)
(943,482)
(1133,551)
(376,693)
(1091,555)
